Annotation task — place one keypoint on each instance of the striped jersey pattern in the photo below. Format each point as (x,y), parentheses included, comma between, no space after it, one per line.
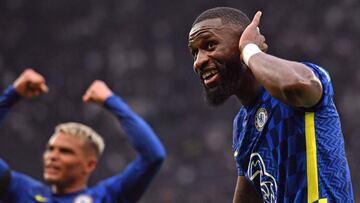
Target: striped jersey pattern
(292,154)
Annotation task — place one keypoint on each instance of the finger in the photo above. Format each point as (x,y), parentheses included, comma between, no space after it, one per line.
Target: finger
(44,88)
(256,19)
(36,93)
(264,47)
(262,38)
(86,97)
(41,87)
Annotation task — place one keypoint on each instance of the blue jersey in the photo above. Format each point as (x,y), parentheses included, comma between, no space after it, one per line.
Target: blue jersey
(125,187)
(291,154)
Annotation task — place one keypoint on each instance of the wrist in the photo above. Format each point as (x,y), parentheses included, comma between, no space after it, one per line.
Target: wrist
(109,100)
(9,96)
(248,51)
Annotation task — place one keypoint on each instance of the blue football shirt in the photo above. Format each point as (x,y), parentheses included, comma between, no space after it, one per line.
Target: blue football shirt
(291,154)
(124,187)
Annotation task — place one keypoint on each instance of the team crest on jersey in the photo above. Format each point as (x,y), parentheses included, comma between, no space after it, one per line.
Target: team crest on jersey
(261,117)
(262,178)
(83,199)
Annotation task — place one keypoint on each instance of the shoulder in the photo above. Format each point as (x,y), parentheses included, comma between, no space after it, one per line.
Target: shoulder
(23,188)
(24,181)
(319,71)
(237,124)
(325,79)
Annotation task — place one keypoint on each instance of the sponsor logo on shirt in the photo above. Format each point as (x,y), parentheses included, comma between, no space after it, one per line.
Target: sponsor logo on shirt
(40,198)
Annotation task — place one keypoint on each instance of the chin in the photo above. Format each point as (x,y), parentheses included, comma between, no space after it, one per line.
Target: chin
(216,96)
(51,179)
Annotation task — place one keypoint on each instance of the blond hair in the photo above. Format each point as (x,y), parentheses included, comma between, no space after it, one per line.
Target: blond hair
(83,132)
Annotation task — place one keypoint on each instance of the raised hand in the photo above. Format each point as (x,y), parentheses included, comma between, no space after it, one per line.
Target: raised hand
(252,34)
(30,84)
(98,92)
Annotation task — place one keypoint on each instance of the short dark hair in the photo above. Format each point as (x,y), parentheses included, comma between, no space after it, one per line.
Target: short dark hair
(226,14)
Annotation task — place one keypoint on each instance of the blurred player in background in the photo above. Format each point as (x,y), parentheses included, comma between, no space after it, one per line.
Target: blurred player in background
(74,149)
(287,137)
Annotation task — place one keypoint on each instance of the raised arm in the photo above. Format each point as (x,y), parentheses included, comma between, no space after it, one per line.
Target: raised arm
(291,82)
(7,100)
(29,84)
(131,184)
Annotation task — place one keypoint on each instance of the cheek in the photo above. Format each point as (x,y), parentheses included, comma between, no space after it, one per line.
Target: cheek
(226,55)
(45,156)
(73,164)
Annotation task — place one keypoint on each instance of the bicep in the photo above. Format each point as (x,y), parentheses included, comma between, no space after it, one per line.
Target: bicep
(307,91)
(245,192)
(288,81)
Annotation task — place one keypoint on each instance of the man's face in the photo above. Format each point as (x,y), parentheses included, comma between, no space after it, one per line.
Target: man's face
(65,160)
(214,47)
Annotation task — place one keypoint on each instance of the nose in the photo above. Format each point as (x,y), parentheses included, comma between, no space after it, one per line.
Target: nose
(200,61)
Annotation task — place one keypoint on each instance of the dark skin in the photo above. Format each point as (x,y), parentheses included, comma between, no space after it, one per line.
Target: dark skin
(213,44)
(290,82)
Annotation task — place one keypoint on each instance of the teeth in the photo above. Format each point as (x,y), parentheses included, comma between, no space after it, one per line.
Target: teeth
(209,73)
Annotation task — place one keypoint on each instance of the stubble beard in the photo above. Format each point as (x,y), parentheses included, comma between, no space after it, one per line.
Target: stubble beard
(217,95)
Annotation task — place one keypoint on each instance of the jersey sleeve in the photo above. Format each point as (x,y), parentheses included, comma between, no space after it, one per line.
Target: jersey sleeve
(325,80)
(17,187)
(7,99)
(237,139)
(134,180)
(5,177)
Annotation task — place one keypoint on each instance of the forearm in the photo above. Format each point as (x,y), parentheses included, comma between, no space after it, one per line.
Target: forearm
(139,173)
(245,192)
(290,82)
(8,99)
(140,134)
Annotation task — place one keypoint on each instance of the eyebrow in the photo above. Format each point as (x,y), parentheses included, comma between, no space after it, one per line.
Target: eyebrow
(204,35)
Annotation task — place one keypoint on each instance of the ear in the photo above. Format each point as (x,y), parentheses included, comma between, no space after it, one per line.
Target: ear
(91,164)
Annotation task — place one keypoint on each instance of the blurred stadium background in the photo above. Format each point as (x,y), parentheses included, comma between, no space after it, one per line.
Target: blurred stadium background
(140,49)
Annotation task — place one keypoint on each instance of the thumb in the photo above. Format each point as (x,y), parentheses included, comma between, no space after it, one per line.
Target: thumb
(86,97)
(256,19)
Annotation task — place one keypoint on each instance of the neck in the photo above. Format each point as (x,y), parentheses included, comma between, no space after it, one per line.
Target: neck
(67,189)
(248,90)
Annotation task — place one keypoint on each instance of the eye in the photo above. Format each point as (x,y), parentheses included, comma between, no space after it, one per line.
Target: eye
(66,151)
(194,52)
(210,45)
(49,148)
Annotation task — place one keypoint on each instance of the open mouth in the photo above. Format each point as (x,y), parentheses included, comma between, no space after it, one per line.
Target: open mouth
(210,77)
(51,169)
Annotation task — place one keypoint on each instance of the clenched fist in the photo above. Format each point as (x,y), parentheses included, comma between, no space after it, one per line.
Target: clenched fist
(30,84)
(98,92)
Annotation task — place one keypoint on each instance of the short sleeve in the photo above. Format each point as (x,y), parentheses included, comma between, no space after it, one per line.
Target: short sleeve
(237,139)
(325,80)
(239,169)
